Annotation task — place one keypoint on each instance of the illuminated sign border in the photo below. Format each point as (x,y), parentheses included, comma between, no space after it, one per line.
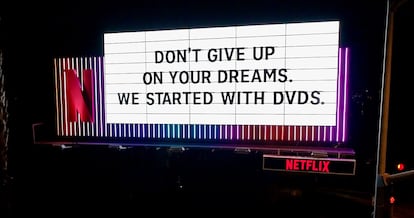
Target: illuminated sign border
(96,126)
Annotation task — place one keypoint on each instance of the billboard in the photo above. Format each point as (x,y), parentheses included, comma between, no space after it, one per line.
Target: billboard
(271,82)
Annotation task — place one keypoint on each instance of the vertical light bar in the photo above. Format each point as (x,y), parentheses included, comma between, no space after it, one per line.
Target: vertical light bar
(204,132)
(345,100)
(76,123)
(260,132)
(180,131)
(242,132)
(200,131)
(84,124)
(119,130)
(56,98)
(319,133)
(100,89)
(189,131)
(288,133)
(224,131)
(313,133)
(307,133)
(331,129)
(248,132)
(124,132)
(65,66)
(220,132)
(89,124)
(237,132)
(192,131)
(271,132)
(295,133)
(110,130)
(82,128)
(276,133)
(338,92)
(254,137)
(58,94)
(70,129)
(61,93)
(95,125)
(177,131)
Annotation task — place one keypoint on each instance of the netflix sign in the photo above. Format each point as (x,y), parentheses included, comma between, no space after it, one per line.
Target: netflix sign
(309,164)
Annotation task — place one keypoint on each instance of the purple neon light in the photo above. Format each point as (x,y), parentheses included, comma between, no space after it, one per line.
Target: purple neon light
(345,100)
(338,94)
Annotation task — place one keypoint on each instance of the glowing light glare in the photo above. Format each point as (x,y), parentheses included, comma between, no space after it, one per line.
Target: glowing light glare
(400,167)
(392,200)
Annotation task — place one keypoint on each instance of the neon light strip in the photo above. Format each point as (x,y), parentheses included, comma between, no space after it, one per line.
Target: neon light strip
(59,88)
(95,85)
(100,89)
(57,98)
(75,124)
(65,99)
(345,99)
(338,91)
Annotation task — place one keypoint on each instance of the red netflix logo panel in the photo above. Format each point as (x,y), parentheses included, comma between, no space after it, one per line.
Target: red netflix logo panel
(79,96)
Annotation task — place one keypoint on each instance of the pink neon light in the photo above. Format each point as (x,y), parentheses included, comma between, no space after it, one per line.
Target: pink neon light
(345,96)
(98,91)
(339,90)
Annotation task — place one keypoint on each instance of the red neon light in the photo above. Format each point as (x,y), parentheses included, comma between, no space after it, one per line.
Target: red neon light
(80,101)
(400,166)
(392,200)
(307,165)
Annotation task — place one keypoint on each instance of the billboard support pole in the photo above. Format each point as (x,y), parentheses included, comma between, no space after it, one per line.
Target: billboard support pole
(381,205)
